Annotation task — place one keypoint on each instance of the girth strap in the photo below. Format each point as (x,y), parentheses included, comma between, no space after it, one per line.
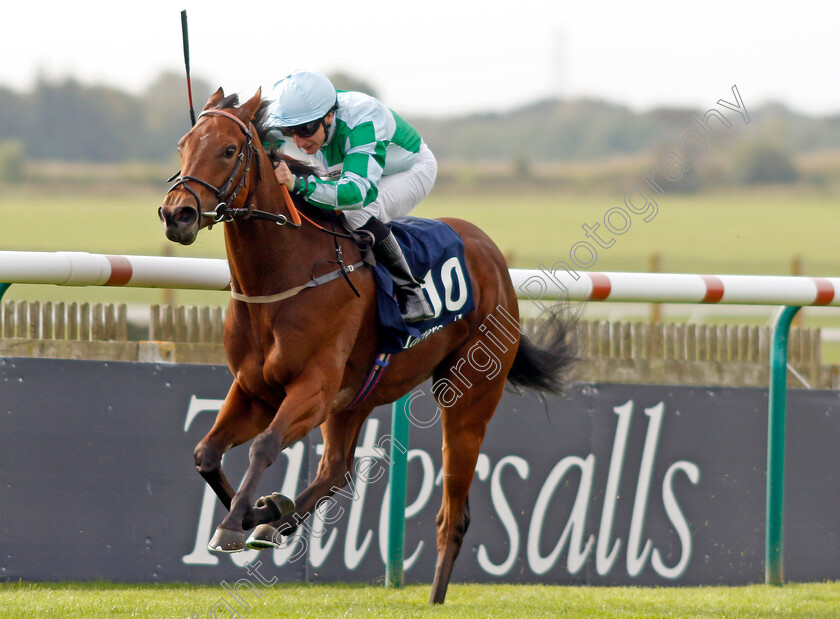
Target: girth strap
(312,283)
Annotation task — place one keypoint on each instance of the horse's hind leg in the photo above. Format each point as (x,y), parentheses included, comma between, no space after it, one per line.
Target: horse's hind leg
(464,425)
(341,433)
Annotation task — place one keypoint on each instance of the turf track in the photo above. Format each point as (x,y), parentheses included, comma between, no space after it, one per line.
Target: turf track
(463,601)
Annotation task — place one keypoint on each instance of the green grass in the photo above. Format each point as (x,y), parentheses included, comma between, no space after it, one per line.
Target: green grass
(748,231)
(101,223)
(359,600)
(751,232)
(121,223)
(754,231)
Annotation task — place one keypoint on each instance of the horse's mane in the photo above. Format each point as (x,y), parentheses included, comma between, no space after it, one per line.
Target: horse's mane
(263,124)
(261,118)
(228,102)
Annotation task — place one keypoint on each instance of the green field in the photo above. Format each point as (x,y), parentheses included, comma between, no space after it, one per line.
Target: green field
(750,232)
(756,231)
(463,601)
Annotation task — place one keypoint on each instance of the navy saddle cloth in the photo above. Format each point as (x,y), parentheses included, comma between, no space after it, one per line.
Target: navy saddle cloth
(435,253)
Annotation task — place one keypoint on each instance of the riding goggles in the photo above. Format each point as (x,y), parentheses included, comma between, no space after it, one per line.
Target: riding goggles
(306,130)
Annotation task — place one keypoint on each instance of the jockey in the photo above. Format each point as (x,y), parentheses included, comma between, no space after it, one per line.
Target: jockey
(381,167)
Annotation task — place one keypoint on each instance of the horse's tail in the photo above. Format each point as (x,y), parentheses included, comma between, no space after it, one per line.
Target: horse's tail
(546,366)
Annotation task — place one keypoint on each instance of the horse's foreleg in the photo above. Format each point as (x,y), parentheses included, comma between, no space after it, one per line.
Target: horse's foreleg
(302,410)
(239,420)
(341,433)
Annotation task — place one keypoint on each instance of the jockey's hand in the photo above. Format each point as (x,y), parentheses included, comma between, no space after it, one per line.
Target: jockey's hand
(284,174)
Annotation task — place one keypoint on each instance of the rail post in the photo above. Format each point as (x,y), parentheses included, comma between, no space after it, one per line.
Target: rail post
(394,574)
(776,418)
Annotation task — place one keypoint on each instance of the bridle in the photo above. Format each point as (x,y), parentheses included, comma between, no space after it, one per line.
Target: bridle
(227,193)
(225,213)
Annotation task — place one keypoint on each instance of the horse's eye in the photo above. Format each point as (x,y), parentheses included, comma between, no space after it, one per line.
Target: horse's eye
(230,151)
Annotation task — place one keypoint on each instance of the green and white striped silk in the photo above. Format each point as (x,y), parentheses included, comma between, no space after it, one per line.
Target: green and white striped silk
(367,141)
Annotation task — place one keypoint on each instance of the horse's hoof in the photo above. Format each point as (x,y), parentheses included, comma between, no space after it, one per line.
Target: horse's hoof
(225,540)
(264,536)
(279,505)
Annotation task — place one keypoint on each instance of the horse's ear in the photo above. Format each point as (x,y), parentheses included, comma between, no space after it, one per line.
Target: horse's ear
(250,107)
(215,98)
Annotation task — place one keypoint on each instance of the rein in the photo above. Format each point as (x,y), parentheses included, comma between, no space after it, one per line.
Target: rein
(224,213)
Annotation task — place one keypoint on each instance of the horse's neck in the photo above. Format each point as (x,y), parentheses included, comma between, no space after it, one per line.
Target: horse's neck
(266,258)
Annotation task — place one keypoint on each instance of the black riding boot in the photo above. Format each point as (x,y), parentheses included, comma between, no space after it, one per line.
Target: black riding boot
(413,304)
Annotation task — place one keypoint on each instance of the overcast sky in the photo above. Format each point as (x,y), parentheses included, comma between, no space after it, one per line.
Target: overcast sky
(444,57)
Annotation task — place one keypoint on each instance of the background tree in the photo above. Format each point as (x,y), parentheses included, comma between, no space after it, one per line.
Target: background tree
(345,81)
(760,163)
(12,161)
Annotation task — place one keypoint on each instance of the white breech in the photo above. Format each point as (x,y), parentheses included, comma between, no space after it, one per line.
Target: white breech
(398,193)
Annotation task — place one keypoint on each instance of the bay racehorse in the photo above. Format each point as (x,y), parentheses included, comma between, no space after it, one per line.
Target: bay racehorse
(299,353)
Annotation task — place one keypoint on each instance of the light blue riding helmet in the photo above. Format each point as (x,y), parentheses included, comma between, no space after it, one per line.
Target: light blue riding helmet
(301,97)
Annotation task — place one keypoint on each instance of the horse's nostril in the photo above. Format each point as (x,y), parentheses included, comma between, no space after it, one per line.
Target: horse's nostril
(185,215)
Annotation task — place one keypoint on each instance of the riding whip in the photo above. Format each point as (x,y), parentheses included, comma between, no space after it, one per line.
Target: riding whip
(186,37)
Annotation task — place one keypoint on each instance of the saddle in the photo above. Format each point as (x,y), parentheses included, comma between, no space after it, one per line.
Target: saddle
(434,252)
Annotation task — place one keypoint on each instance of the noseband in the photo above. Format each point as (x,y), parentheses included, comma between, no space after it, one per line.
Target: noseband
(227,193)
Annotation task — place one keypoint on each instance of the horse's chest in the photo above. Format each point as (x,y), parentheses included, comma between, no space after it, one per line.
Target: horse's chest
(252,378)
(261,372)
(246,358)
